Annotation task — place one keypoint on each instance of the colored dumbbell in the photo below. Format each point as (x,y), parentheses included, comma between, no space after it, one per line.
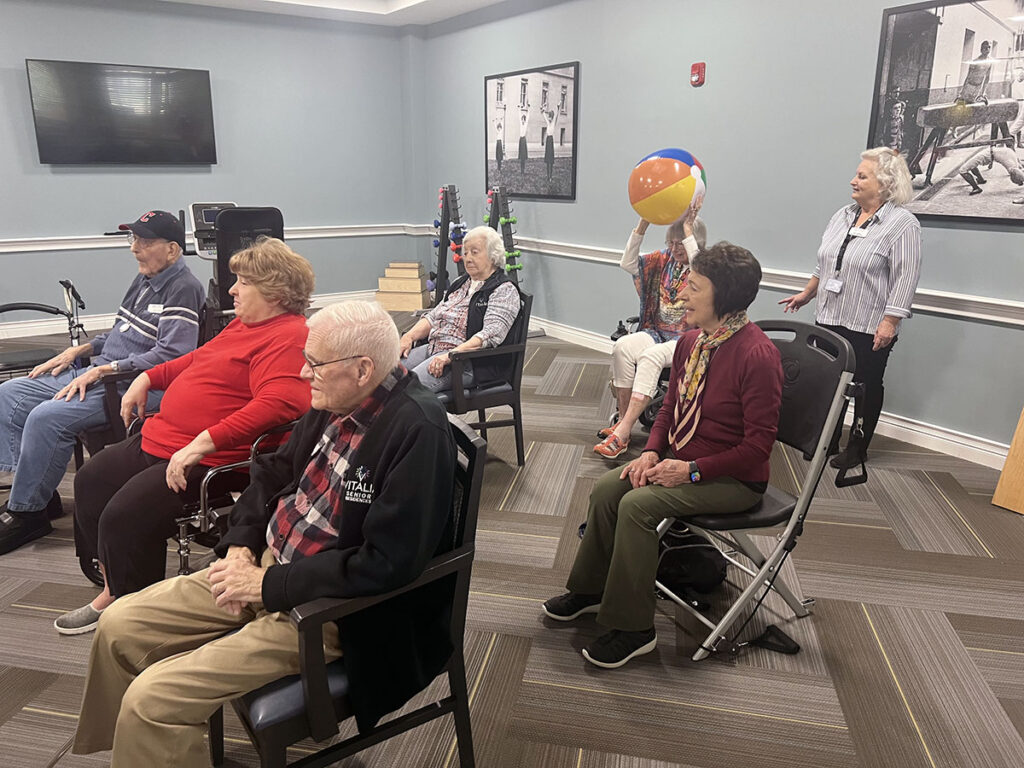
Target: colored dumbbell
(512,254)
(511,267)
(507,220)
(437,243)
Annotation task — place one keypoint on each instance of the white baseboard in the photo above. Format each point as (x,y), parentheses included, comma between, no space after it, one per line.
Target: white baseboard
(979,450)
(562,332)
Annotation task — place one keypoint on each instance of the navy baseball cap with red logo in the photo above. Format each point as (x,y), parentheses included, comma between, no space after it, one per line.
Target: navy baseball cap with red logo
(158,224)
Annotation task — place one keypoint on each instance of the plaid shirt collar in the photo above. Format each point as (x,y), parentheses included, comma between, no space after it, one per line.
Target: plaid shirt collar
(368,410)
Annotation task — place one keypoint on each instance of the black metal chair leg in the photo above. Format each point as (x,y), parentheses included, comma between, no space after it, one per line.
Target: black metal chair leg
(517,415)
(216,731)
(482,416)
(463,726)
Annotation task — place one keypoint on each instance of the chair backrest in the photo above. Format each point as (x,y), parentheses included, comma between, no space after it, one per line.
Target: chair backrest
(519,331)
(469,474)
(814,360)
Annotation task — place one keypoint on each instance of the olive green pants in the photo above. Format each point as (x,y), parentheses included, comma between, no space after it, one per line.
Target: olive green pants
(618,556)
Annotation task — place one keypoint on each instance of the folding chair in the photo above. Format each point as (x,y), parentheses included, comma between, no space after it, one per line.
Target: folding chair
(818,368)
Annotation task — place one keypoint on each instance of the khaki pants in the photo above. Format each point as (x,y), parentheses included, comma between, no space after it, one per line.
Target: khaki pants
(619,552)
(162,663)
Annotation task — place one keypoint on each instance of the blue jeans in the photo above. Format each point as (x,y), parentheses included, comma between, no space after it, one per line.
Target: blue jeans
(37,433)
(417,362)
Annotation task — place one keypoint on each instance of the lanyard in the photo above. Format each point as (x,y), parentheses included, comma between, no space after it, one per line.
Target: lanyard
(849,237)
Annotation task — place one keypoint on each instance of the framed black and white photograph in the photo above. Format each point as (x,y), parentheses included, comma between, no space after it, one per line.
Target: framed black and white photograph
(949,95)
(530,128)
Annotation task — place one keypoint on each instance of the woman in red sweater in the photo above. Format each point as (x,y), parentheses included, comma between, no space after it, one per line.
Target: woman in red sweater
(217,400)
(708,453)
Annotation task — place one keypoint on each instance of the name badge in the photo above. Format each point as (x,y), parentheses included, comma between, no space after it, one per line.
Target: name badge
(857,231)
(155,309)
(834,285)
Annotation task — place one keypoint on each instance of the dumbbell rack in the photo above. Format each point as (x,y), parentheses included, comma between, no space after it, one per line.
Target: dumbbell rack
(500,219)
(450,233)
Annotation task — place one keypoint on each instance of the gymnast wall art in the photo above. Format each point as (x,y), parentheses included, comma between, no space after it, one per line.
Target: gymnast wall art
(949,95)
(530,131)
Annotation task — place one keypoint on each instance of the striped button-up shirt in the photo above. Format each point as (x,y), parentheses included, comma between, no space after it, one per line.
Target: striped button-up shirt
(879,272)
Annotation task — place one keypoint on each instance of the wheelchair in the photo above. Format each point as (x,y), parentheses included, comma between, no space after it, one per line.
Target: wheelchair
(650,413)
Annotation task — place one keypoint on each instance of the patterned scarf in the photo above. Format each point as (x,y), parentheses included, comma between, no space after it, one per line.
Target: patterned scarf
(686,415)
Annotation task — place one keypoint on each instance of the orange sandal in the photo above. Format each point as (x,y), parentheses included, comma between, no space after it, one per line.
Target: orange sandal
(607,431)
(611,447)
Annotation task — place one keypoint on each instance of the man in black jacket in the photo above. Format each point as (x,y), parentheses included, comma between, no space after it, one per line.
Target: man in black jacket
(355,503)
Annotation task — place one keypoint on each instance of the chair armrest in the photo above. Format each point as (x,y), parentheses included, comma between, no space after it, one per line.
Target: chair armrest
(310,618)
(112,401)
(280,429)
(458,362)
(474,354)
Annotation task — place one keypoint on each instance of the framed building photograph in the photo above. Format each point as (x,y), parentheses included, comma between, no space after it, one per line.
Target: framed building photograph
(949,95)
(531,130)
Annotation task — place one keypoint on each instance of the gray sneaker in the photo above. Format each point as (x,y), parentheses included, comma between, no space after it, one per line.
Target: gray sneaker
(78,621)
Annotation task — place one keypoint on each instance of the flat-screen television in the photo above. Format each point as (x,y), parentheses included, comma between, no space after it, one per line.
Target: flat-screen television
(115,113)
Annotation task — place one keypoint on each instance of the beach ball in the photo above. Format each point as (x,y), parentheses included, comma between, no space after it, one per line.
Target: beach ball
(664,184)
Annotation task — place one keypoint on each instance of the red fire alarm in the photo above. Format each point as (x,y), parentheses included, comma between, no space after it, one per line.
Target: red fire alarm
(697,74)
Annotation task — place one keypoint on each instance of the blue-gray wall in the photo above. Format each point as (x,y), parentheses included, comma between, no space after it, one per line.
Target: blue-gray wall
(309,116)
(778,125)
(349,124)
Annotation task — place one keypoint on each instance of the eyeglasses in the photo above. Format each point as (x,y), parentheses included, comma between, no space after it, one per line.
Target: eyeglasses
(144,242)
(314,365)
(674,243)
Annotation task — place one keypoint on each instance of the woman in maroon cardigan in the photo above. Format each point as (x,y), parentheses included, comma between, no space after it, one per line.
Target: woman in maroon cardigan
(708,453)
(216,401)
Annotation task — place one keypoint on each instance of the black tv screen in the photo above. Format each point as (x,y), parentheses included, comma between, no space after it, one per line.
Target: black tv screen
(114,113)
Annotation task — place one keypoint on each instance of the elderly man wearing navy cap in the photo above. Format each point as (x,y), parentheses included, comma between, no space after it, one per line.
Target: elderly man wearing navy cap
(40,414)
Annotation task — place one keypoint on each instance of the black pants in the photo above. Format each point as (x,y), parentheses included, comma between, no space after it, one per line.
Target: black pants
(124,513)
(870,369)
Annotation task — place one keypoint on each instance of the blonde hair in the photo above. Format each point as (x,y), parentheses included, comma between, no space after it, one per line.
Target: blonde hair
(360,328)
(277,272)
(892,174)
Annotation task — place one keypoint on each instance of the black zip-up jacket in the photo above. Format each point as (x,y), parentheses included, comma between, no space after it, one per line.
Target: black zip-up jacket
(489,369)
(397,521)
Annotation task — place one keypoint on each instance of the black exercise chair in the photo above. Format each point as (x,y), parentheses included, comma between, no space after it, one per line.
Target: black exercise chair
(818,368)
(491,394)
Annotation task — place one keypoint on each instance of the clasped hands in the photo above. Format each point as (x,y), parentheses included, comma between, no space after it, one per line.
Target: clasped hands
(651,469)
(236,580)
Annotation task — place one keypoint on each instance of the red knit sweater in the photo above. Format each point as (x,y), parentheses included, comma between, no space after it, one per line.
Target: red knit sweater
(238,385)
(740,411)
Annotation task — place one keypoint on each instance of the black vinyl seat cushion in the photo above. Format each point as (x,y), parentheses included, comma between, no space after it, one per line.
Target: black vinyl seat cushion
(283,699)
(774,508)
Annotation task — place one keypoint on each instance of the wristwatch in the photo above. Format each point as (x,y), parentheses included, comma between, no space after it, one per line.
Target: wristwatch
(694,472)
(114,366)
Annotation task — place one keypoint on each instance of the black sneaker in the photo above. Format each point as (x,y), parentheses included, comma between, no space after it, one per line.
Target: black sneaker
(619,646)
(845,460)
(17,528)
(571,606)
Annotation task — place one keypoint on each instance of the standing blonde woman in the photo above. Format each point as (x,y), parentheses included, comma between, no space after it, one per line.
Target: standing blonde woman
(869,262)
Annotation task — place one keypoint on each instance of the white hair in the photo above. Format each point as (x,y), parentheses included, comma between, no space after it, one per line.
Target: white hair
(360,328)
(493,243)
(700,231)
(892,174)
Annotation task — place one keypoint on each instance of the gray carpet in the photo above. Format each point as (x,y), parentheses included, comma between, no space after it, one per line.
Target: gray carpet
(913,657)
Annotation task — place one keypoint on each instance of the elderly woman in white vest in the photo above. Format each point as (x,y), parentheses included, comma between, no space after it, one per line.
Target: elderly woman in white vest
(478,311)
